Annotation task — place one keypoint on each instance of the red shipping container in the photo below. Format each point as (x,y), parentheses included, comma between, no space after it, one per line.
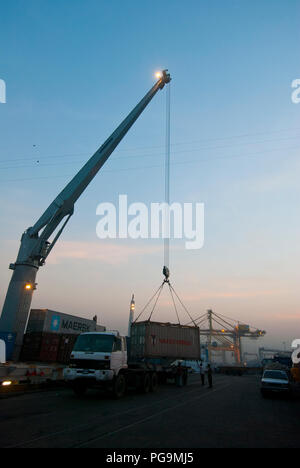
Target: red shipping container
(31,347)
(65,349)
(49,347)
(40,347)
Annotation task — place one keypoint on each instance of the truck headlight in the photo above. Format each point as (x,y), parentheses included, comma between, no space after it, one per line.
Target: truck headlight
(6,383)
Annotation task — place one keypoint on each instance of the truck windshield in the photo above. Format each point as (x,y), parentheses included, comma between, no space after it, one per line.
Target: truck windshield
(94,343)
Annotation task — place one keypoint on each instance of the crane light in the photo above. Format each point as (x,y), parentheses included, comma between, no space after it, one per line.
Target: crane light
(158,74)
(28,286)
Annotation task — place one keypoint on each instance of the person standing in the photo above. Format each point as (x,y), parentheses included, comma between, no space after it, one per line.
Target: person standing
(209,376)
(202,373)
(179,375)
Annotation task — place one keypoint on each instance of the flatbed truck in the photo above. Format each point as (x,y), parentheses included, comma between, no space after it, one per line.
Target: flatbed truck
(100,360)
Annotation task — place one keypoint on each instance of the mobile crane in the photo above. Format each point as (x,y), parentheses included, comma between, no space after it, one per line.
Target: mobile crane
(35,242)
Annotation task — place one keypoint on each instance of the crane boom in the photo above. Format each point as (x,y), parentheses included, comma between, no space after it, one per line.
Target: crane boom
(35,245)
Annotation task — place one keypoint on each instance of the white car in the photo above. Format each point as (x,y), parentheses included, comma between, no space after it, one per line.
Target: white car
(275,381)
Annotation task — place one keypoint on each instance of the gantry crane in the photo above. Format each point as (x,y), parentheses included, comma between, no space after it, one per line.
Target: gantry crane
(35,242)
(225,334)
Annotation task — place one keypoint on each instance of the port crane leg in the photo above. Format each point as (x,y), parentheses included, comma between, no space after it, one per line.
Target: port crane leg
(35,242)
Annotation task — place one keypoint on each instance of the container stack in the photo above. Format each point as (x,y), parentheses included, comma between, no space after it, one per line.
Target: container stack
(40,347)
(65,349)
(50,335)
(50,321)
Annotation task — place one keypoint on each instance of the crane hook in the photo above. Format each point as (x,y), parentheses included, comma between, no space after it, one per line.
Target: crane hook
(166,273)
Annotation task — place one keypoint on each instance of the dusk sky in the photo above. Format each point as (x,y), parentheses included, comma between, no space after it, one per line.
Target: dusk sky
(74,70)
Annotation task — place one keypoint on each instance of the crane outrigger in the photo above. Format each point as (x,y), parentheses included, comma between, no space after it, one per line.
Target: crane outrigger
(35,242)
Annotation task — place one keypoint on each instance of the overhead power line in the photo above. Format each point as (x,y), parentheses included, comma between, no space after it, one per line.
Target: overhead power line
(175,163)
(81,155)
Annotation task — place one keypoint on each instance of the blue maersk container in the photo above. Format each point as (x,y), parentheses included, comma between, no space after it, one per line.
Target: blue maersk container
(9,339)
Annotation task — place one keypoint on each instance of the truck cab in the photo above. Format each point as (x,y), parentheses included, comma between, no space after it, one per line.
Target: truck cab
(96,360)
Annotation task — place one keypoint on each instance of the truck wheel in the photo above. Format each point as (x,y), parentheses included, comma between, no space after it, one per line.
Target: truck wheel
(79,390)
(119,386)
(146,384)
(154,382)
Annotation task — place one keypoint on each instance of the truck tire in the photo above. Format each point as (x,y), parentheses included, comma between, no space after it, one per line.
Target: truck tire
(154,382)
(119,386)
(146,383)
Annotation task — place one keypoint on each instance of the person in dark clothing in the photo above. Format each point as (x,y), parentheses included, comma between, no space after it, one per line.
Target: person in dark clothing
(209,376)
(202,373)
(179,375)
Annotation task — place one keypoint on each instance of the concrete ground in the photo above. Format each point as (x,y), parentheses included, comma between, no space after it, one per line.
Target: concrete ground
(232,414)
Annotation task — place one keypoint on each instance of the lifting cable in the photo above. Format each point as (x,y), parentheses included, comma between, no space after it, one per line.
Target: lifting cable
(156,297)
(149,302)
(183,305)
(166,227)
(167,180)
(199,320)
(174,304)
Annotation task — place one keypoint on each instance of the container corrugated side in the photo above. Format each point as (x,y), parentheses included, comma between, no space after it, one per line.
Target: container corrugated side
(65,349)
(155,339)
(36,321)
(40,347)
(49,347)
(31,347)
(137,340)
(50,321)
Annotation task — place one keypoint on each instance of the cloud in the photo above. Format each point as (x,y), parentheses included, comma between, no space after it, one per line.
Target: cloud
(111,253)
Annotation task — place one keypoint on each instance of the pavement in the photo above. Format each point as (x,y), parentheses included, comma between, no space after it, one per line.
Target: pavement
(230,415)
